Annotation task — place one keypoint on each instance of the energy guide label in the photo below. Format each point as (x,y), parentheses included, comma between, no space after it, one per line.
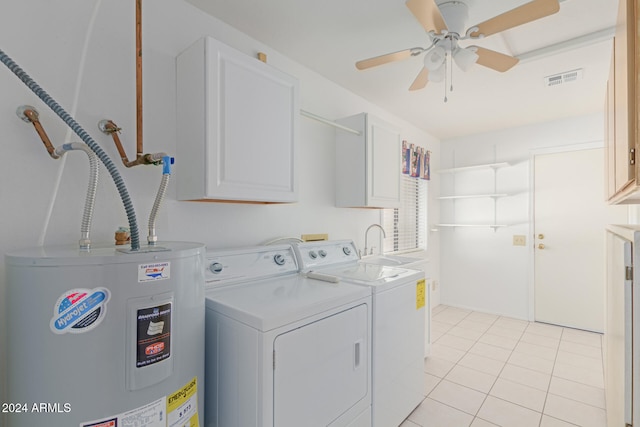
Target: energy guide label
(182,406)
(179,409)
(420,293)
(153,340)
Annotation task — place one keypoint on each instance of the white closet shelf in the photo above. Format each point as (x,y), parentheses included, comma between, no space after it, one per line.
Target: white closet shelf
(469,168)
(474,196)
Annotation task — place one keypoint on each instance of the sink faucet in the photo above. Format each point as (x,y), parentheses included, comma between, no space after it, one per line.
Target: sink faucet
(366,233)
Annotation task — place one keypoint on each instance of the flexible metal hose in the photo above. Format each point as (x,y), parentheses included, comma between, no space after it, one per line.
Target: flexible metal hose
(152,239)
(89,203)
(86,138)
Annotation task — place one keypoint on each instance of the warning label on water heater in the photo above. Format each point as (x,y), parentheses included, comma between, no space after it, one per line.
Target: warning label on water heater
(154,271)
(153,335)
(153,414)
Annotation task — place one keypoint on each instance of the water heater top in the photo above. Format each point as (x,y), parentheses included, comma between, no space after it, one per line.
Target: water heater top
(47,256)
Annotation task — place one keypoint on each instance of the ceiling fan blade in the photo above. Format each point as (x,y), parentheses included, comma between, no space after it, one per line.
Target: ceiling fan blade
(421,80)
(383,59)
(495,60)
(428,14)
(528,12)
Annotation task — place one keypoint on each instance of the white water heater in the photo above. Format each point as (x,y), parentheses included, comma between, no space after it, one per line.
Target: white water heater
(104,338)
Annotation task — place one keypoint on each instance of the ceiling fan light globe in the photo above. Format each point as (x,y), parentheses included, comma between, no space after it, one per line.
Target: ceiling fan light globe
(437,75)
(434,58)
(465,58)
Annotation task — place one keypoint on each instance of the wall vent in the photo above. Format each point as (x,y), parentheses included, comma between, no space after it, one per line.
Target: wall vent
(563,78)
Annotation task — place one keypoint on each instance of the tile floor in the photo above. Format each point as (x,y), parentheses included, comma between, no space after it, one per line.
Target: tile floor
(487,370)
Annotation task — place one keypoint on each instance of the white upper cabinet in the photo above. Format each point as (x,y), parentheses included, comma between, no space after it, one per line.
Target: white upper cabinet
(237,127)
(368,165)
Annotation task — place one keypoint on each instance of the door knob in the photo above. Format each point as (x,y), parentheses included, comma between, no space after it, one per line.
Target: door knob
(541,246)
(540,236)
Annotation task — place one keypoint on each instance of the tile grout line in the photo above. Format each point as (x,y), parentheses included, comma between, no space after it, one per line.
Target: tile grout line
(505,364)
(499,373)
(553,368)
(511,352)
(456,364)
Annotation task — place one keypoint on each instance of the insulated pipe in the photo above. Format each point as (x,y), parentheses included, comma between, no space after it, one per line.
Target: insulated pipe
(87,216)
(86,138)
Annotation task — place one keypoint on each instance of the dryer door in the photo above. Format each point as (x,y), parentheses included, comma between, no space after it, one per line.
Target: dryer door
(322,370)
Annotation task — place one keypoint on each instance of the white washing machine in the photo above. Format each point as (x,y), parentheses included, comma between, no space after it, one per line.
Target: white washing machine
(399,298)
(284,350)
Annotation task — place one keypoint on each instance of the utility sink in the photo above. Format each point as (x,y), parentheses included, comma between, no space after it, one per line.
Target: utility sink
(390,260)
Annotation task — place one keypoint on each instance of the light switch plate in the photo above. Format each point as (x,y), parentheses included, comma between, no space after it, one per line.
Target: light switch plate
(519,240)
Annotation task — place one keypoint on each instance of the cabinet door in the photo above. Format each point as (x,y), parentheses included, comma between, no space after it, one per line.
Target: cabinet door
(368,164)
(610,133)
(624,104)
(237,127)
(383,158)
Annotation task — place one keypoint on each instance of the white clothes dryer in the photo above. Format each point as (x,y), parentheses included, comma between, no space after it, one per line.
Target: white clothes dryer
(399,299)
(283,350)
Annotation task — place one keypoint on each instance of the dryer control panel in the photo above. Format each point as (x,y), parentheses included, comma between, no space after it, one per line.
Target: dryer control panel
(230,266)
(313,255)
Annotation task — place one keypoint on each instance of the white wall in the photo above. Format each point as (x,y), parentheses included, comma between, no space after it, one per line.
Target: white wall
(47,39)
(480,268)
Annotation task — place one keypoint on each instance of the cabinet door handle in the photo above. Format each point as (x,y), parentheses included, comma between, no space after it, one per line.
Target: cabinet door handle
(541,246)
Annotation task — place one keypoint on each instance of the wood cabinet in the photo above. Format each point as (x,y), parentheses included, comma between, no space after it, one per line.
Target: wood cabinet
(621,106)
(237,120)
(368,165)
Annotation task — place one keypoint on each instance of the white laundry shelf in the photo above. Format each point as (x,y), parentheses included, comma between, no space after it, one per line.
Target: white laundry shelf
(494,226)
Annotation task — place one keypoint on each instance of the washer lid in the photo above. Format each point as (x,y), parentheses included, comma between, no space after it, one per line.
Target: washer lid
(380,277)
(271,303)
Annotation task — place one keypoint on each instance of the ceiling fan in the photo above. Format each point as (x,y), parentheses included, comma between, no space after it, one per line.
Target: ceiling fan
(445,25)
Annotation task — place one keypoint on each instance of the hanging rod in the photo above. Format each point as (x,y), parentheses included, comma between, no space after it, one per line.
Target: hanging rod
(574,43)
(328,122)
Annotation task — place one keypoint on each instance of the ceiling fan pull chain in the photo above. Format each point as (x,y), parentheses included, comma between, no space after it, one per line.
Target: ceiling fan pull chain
(451,65)
(445,77)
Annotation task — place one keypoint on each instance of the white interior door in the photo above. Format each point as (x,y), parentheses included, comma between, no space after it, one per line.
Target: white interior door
(570,216)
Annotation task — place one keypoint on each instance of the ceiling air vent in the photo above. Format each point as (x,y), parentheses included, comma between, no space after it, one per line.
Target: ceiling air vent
(563,78)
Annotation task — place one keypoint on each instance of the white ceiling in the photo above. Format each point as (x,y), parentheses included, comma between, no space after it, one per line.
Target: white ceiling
(329,36)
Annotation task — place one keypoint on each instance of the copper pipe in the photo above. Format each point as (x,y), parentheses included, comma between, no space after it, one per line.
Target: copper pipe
(109,127)
(32,115)
(139,77)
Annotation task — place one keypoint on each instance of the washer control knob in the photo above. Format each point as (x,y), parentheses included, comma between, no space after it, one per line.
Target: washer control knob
(322,253)
(313,254)
(279,259)
(346,250)
(215,267)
